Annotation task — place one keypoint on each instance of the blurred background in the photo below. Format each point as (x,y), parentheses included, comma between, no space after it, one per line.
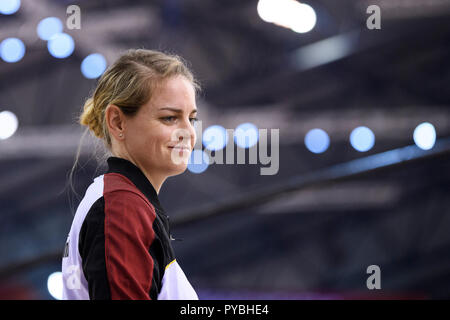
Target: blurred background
(359,98)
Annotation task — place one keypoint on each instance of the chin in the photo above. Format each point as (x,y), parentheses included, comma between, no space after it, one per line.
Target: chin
(178,165)
(177,170)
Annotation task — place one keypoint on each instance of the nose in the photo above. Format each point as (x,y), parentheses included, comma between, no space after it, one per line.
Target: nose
(186,133)
(192,135)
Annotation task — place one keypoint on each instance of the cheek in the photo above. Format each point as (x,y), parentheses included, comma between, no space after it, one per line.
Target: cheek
(144,140)
(160,140)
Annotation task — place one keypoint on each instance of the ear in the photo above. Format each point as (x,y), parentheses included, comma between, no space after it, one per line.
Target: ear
(115,120)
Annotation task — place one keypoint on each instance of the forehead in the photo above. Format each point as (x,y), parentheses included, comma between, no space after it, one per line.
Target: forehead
(174,92)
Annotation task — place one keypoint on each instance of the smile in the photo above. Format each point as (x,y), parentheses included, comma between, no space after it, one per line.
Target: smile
(180,148)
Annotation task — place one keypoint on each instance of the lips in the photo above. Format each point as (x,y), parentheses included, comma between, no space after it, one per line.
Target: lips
(181,148)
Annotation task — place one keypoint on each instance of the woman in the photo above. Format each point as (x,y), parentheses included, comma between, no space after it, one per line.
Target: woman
(119,244)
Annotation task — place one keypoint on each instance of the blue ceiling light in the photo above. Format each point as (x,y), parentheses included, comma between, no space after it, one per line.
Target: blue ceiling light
(362,139)
(12,50)
(8,7)
(246,135)
(61,45)
(8,124)
(425,136)
(215,138)
(55,285)
(93,66)
(48,27)
(317,140)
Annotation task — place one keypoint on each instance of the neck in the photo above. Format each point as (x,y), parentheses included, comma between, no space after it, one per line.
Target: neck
(153,178)
(155,181)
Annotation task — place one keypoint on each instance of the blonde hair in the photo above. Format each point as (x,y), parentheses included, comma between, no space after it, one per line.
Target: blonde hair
(128,83)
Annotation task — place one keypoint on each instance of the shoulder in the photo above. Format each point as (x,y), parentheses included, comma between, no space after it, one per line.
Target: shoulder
(120,187)
(118,182)
(115,194)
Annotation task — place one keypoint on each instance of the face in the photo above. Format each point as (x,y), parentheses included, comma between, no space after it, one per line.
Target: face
(161,136)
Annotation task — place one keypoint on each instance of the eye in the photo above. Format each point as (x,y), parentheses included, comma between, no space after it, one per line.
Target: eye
(193,119)
(169,118)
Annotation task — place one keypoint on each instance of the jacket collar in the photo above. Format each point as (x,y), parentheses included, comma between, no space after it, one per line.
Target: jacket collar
(137,177)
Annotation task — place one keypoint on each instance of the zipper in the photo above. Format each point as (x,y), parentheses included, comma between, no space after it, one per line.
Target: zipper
(168,226)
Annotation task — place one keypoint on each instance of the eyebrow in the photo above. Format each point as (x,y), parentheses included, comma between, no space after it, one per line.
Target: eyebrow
(177,110)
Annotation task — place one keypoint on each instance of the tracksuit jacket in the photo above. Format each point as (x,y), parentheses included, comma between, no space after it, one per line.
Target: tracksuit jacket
(119,244)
